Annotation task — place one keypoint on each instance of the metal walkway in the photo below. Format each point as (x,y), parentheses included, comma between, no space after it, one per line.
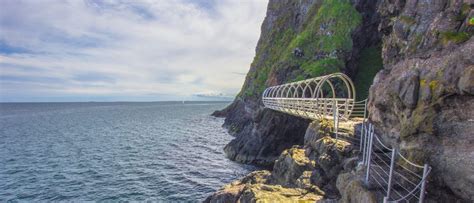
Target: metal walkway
(315,98)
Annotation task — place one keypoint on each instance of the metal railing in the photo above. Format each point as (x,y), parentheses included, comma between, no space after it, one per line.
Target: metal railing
(390,171)
(314,98)
(360,109)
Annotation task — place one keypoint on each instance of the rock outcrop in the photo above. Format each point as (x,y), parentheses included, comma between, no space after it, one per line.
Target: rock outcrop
(423,100)
(301,173)
(352,189)
(255,188)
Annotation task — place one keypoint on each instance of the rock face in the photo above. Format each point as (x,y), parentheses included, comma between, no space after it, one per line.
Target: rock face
(423,98)
(353,190)
(273,133)
(322,46)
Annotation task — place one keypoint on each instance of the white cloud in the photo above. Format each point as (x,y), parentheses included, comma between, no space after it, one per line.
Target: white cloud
(126,48)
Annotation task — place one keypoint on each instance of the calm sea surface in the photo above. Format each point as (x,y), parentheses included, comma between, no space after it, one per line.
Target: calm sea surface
(113,151)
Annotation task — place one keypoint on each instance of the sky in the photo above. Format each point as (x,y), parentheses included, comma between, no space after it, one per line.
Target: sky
(126,50)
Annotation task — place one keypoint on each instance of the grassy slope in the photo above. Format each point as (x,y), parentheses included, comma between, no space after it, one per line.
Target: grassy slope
(327,33)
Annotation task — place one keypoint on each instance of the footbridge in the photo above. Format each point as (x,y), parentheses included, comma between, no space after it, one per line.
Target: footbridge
(316,98)
(333,97)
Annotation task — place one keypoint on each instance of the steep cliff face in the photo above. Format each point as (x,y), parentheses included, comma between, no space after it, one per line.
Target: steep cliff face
(299,39)
(423,98)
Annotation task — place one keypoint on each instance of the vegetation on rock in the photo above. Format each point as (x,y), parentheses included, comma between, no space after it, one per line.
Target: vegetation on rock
(456,37)
(324,38)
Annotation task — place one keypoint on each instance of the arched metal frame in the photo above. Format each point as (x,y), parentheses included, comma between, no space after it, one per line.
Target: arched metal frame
(314,98)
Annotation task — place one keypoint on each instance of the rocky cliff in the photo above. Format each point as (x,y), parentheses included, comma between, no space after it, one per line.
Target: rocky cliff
(421,99)
(299,39)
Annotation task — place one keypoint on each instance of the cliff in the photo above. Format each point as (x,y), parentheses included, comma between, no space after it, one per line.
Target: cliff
(299,39)
(421,99)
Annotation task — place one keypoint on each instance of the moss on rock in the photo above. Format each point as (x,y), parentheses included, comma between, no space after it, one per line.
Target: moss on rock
(326,32)
(456,37)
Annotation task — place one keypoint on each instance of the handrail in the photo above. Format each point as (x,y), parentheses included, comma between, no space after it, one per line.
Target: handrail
(419,185)
(381,143)
(405,159)
(313,98)
(409,181)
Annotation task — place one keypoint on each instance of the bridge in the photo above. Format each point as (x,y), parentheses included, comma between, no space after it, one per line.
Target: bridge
(316,98)
(333,97)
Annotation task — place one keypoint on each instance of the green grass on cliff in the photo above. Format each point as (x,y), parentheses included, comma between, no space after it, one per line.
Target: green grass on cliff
(323,66)
(327,33)
(456,37)
(275,53)
(369,64)
(330,29)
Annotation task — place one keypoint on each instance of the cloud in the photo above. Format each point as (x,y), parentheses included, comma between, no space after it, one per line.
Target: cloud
(125,49)
(213,95)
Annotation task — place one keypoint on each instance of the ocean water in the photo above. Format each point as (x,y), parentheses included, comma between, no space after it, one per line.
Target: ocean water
(165,151)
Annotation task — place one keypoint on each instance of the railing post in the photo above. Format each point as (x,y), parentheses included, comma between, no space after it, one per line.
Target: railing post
(367,142)
(423,184)
(364,137)
(336,121)
(365,109)
(325,108)
(385,199)
(361,140)
(363,129)
(390,174)
(369,153)
(346,106)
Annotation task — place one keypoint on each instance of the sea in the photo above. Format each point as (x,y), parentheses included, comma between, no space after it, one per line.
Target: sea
(117,151)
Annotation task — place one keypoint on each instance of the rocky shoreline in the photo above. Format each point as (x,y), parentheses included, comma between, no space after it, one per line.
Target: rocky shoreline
(316,171)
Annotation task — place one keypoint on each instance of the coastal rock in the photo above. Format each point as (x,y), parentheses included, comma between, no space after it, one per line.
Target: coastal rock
(274,132)
(252,188)
(291,164)
(306,173)
(277,193)
(328,153)
(353,190)
(316,130)
(431,53)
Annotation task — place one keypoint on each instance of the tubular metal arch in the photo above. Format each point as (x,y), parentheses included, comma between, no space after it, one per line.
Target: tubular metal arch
(313,98)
